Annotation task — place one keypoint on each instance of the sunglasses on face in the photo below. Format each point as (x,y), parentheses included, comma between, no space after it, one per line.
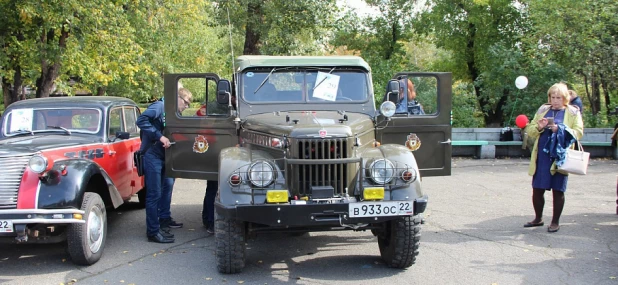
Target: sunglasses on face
(187,103)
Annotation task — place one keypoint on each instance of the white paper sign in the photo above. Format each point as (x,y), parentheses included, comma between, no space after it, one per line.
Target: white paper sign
(326,89)
(21,119)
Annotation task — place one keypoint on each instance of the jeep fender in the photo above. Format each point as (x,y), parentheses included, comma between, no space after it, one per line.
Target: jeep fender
(239,159)
(400,155)
(64,191)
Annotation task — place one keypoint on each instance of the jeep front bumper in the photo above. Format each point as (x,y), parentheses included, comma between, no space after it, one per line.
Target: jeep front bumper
(288,215)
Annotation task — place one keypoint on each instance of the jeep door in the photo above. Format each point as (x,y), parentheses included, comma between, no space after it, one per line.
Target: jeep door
(201,131)
(424,123)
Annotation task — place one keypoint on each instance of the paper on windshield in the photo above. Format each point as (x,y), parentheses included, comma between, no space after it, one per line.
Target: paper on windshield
(21,119)
(327,89)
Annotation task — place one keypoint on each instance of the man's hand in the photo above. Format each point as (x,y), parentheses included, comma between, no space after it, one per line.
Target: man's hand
(165,141)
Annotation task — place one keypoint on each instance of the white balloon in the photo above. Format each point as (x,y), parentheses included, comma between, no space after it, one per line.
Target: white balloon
(521,82)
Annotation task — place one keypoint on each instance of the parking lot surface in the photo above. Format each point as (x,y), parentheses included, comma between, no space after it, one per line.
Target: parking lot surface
(473,235)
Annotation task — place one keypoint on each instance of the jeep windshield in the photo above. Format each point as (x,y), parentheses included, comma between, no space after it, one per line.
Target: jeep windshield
(305,85)
(37,120)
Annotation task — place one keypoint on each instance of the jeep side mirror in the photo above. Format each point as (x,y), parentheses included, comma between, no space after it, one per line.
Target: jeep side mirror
(392,91)
(224,89)
(122,135)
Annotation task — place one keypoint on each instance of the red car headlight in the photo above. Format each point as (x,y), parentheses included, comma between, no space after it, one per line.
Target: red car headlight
(38,164)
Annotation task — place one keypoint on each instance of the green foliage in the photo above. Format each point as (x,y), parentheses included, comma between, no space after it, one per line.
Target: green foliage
(279,27)
(465,107)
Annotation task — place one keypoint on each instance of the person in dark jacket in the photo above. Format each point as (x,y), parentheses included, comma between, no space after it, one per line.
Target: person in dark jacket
(158,185)
(576,101)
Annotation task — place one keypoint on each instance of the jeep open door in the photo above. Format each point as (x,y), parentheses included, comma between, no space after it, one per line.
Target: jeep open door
(422,120)
(198,133)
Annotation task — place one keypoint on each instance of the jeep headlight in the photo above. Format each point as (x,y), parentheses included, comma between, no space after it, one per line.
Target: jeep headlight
(38,164)
(381,171)
(388,109)
(261,174)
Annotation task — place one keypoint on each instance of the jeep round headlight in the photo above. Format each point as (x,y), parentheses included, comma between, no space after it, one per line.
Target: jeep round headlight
(261,174)
(388,109)
(38,163)
(381,171)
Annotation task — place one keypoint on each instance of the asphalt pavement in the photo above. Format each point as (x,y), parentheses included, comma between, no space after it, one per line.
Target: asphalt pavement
(473,235)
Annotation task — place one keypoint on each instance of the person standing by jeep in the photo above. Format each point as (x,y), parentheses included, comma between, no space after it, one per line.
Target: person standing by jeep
(554,127)
(158,185)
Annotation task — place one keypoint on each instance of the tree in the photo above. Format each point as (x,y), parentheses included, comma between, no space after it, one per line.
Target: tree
(470,30)
(381,39)
(43,41)
(582,36)
(279,27)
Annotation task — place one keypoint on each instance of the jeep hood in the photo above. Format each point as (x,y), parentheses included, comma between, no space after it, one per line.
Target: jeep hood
(298,124)
(27,144)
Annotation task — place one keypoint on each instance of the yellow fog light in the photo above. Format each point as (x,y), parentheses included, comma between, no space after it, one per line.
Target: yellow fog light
(373,193)
(78,216)
(277,196)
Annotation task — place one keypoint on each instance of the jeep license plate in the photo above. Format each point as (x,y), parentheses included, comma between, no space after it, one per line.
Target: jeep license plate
(380,209)
(6,226)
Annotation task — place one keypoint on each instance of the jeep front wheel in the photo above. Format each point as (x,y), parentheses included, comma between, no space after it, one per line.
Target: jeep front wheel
(85,242)
(230,245)
(399,241)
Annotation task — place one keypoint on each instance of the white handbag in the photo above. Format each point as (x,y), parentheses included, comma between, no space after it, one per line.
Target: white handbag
(576,161)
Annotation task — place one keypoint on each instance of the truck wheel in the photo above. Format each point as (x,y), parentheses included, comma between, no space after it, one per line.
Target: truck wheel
(141,198)
(230,245)
(85,242)
(400,241)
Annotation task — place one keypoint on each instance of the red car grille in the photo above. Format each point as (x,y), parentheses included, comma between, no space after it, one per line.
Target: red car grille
(10,176)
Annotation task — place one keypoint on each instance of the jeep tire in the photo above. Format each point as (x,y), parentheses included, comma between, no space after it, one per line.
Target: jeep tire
(230,245)
(400,240)
(85,242)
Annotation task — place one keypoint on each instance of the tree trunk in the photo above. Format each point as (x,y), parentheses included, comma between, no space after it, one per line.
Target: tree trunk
(101,90)
(605,85)
(49,72)
(596,94)
(391,48)
(252,37)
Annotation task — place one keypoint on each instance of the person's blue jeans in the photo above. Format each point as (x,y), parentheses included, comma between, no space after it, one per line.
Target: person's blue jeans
(158,192)
(208,208)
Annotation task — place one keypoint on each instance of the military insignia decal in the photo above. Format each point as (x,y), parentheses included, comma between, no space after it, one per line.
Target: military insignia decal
(413,142)
(322,133)
(200,145)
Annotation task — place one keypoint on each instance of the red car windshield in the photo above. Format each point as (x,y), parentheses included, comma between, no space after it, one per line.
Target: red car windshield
(56,119)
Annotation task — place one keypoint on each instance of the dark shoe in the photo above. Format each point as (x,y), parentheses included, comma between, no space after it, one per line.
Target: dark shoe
(210,228)
(166,234)
(531,224)
(160,238)
(553,229)
(170,223)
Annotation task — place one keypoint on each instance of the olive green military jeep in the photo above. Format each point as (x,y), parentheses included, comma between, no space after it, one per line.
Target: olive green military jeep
(297,145)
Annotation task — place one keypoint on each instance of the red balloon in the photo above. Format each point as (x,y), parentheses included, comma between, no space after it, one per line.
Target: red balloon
(521,121)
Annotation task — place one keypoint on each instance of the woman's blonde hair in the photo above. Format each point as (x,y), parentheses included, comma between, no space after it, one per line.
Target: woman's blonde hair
(562,90)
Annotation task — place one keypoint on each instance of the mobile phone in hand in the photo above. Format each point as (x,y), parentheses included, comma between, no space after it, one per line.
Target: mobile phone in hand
(550,121)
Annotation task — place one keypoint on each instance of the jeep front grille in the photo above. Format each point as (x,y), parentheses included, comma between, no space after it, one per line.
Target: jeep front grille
(323,174)
(10,177)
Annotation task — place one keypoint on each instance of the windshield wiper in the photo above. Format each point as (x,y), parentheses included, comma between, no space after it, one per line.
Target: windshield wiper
(60,128)
(316,86)
(265,79)
(22,132)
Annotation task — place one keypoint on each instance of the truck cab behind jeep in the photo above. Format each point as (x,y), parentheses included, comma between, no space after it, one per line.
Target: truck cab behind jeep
(298,145)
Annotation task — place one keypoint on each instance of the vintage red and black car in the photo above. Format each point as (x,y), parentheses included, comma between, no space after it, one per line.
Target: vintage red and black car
(65,160)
